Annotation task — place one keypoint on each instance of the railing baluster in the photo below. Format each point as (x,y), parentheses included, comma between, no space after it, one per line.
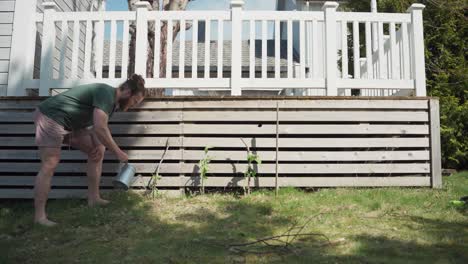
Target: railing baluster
(357,56)
(252,50)
(302,48)
(277,48)
(315,61)
(113,37)
(369,69)
(220,48)
(182,49)
(406,55)
(99,48)
(63,49)
(393,51)
(207,48)
(124,65)
(344,49)
(87,58)
(290,59)
(264,49)
(157,48)
(195,49)
(169,49)
(381,58)
(309,48)
(76,43)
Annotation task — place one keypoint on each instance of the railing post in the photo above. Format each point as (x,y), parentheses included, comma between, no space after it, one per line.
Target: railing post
(330,46)
(236,58)
(47,49)
(23,41)
(417,47)
(142,37)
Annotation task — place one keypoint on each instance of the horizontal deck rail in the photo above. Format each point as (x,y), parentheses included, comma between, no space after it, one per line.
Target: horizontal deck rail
(326,51)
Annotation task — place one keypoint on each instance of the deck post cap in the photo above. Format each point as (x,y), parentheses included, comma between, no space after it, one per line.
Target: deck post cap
(330,4)
(237,3)
(415,6)
(49,5)
(143,4)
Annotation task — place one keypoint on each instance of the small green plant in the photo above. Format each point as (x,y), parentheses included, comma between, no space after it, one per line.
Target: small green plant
(155,177)
(250,171)
(203,164)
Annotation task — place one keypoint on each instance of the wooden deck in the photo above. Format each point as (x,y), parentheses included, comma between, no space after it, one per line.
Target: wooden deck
(323,142)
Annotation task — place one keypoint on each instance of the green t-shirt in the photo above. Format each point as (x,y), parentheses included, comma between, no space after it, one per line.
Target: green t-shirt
(74,108)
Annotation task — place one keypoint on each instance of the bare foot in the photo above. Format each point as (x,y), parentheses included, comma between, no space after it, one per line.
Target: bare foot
(97,202)
(45,222)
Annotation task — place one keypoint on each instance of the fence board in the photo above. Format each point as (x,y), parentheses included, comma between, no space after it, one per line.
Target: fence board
(239,155)
(234,168)
(217,182)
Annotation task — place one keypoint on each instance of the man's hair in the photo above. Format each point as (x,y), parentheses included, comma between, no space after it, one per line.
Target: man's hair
(135,83)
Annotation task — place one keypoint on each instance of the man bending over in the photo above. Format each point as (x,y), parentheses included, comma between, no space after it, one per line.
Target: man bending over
(78,118)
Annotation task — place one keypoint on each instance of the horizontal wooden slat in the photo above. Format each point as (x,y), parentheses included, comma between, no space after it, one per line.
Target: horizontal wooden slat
(6,29)
(306,116)
(67,193)
(233,168)
(242,129)
(307,142)
(218,155)
(290,129)
(410,180)
(284,103)
(133,129)
(189,116)
(252,142)
(141,154)
(128,117)
(121,141)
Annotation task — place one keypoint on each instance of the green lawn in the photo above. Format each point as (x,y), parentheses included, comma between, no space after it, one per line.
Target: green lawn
(381,225)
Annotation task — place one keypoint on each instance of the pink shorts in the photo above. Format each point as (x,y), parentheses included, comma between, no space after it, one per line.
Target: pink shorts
(51,134)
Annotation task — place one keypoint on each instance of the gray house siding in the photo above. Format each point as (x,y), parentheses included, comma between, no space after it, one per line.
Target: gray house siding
(7,9)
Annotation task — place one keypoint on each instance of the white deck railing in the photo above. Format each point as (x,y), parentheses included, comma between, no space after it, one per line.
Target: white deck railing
(389,50)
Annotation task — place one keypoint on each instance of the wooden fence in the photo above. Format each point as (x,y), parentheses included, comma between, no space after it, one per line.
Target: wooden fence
(322,142)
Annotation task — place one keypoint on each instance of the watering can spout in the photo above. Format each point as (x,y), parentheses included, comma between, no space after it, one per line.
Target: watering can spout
(126,177)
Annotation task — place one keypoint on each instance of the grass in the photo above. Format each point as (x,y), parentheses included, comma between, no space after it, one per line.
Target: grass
(364,225)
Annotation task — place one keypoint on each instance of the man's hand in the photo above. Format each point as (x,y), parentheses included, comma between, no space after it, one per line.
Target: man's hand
(122,156)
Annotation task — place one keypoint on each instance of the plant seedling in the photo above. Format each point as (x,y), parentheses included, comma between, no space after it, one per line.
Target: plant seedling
(204,168)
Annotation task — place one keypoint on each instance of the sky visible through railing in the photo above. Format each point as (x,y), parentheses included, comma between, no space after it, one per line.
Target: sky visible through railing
(121,5)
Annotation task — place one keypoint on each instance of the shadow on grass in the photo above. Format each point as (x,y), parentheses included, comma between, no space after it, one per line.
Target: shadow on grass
(134,230)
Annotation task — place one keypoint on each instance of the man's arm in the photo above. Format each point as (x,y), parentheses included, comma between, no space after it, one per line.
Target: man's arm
(103,133)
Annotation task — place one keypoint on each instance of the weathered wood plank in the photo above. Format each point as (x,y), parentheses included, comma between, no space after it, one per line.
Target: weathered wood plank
(242,129)
(306,142)
(133,129)
(219,155)
(141,154)
(129,141)
(409,180)
(234,168)
(303,116)
(127,117)
(65,193)
(290,129)
(201,142)
(436,166)
(284,103)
